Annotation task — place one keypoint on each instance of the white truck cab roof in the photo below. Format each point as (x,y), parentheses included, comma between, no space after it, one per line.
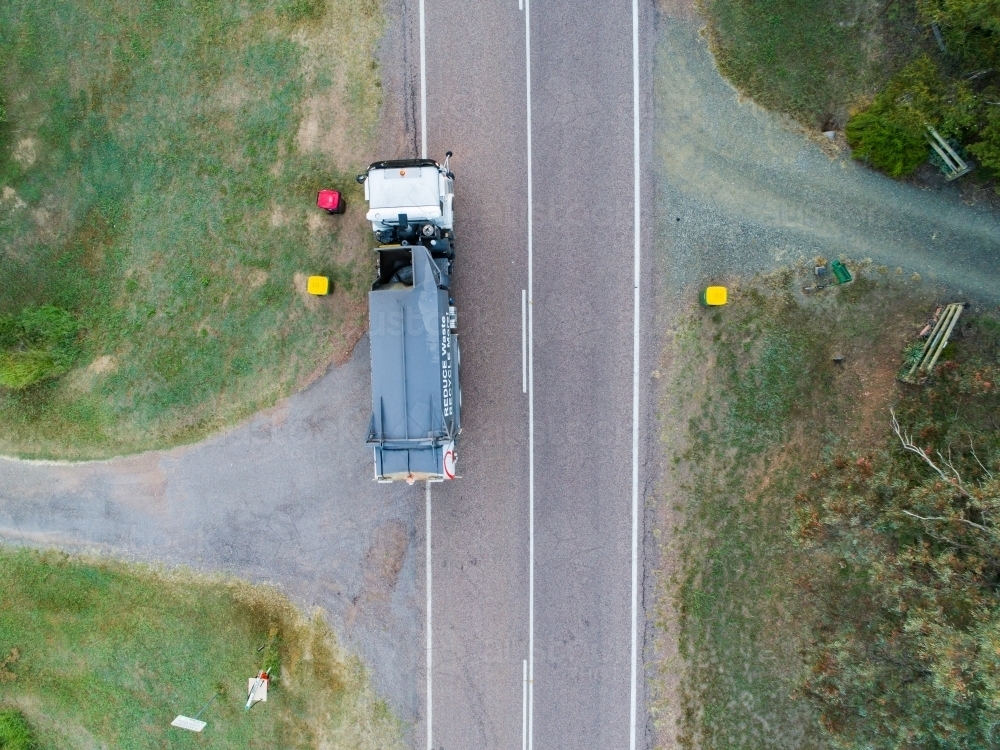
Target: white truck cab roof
(419,188)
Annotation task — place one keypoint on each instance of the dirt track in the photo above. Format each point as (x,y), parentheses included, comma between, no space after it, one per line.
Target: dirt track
(285,498)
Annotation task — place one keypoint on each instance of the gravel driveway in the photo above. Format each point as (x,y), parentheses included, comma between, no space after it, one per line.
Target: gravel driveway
(285,498)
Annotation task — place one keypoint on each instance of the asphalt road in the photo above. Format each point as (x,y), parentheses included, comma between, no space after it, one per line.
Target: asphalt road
(582,140)
(475,108)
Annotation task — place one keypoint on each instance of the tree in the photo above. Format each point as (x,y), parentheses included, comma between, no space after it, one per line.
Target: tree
(971,27)
(904,596)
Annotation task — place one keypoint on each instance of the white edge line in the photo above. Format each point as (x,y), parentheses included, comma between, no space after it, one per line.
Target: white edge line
(423,87)
(524,341)
(531,394)
(637,278)
(524,706)
(430,661)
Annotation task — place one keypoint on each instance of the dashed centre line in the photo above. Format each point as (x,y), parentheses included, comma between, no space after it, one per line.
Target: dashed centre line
(531,393)
(527,353)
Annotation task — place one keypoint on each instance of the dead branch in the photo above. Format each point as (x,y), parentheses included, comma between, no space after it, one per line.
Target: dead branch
(973,524)
(946,540)
(950,464)
(978,74)
(973,449)
(907,442)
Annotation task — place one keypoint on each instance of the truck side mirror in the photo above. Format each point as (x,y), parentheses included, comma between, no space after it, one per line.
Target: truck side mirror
(361,178)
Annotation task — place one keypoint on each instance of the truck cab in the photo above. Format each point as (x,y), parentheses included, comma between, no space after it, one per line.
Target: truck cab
(415,359)
(408,195)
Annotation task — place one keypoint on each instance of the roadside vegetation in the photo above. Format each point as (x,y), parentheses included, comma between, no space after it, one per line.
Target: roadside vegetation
(881,71)
(158,170)
(100,654)
(810,58)
(905,648)
(778,626)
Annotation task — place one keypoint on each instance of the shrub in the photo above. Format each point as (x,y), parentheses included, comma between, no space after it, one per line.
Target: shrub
(920,95)
(885,145)
(15,733)
(971,28)
(890,133)
(987,148)
(35,344)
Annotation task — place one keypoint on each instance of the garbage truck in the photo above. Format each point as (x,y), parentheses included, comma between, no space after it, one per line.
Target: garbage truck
(416,396)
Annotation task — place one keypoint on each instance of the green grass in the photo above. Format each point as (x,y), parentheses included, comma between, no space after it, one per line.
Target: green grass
(158,170)
(809,58)
(38,343)
(104,655)
(15,733)
(757,396)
